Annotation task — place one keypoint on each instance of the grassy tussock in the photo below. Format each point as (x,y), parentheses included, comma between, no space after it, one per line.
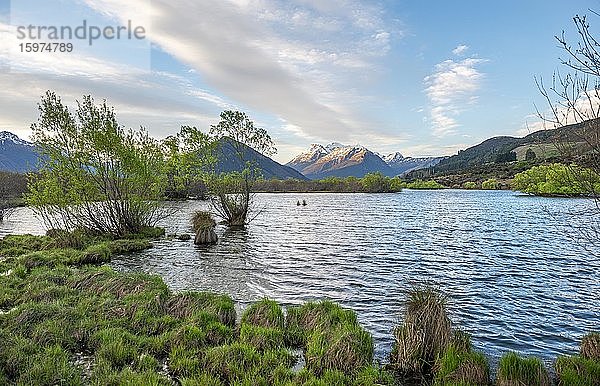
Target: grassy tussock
(590,346)
(189,304)
(265,313)
(463,367)
(424,335)
(202,220)
(262,338)
(515,371)
(577,371)
(348,348)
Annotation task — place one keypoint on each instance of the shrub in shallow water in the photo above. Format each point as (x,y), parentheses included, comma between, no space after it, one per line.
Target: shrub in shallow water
(457,366)
(577,371)
(203,220)
(347,348)
(590,346)
(515,371)
(264,313)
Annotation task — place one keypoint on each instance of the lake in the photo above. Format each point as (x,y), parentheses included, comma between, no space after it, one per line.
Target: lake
(516,277)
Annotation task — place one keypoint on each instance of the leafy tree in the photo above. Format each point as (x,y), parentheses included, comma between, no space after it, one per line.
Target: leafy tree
(530,155)
(470,185)
(506,157)
(94,173)
(490,184)
(232,193)
(376,182)
(190,156)
(555,180)
(420,184)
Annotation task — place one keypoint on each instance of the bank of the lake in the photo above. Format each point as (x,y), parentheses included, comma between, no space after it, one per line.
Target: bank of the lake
(517,280)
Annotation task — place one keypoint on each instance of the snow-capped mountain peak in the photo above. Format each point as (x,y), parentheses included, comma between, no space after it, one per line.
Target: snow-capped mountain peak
(6,137)
(393,158)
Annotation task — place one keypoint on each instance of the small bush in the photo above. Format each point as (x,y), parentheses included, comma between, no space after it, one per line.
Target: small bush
(426,185)
(347,348)
(514,370)
(490,184)
(590,346)
(470,185)
(265,313)
(577,371)
(203,379)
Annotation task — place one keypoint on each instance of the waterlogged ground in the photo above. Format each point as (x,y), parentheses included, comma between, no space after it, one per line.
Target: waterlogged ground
(516,277)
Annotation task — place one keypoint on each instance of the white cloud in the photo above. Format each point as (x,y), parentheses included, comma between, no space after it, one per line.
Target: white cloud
(450,89)
(460,50)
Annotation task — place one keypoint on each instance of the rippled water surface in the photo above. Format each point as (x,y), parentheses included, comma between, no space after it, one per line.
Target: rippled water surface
(516,278)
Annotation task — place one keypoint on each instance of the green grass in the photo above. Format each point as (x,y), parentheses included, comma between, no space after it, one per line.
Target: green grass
(424,335)
(262,338)
(515,370)
(577,371)
(457,366)
(347,348)
(265,313)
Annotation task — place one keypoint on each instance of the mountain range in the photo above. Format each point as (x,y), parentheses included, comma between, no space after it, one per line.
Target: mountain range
(337,160)
(16,155)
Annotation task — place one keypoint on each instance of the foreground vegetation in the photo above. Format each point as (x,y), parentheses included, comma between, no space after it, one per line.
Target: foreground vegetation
(64,319)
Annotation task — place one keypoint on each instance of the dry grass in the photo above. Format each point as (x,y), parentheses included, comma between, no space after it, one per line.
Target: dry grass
(590,346)
(203,220)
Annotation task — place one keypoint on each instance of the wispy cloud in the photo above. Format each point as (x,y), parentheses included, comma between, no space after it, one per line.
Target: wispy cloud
(451,88)
(460,50)
(294,60)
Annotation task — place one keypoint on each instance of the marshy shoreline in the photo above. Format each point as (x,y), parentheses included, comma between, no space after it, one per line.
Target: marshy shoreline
(67,318)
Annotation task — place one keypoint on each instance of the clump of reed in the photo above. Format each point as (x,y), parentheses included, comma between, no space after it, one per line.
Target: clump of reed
(346,348)
(583,369)
(424,335)
(590,346)
(514,370)
(202,220)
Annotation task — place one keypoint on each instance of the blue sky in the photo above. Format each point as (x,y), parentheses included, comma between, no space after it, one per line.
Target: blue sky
(419,77)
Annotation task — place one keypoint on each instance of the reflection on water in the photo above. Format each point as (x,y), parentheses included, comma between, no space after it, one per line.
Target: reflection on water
(516,280)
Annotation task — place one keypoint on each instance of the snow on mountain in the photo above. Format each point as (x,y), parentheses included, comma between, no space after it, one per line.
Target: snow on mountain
(16,155)
(393,158)
(340,160)
(7,136)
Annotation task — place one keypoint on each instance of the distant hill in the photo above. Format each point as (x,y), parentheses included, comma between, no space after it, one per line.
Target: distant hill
(229,161)
(20,156)
(499,149)
(16,155)
(337,160)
